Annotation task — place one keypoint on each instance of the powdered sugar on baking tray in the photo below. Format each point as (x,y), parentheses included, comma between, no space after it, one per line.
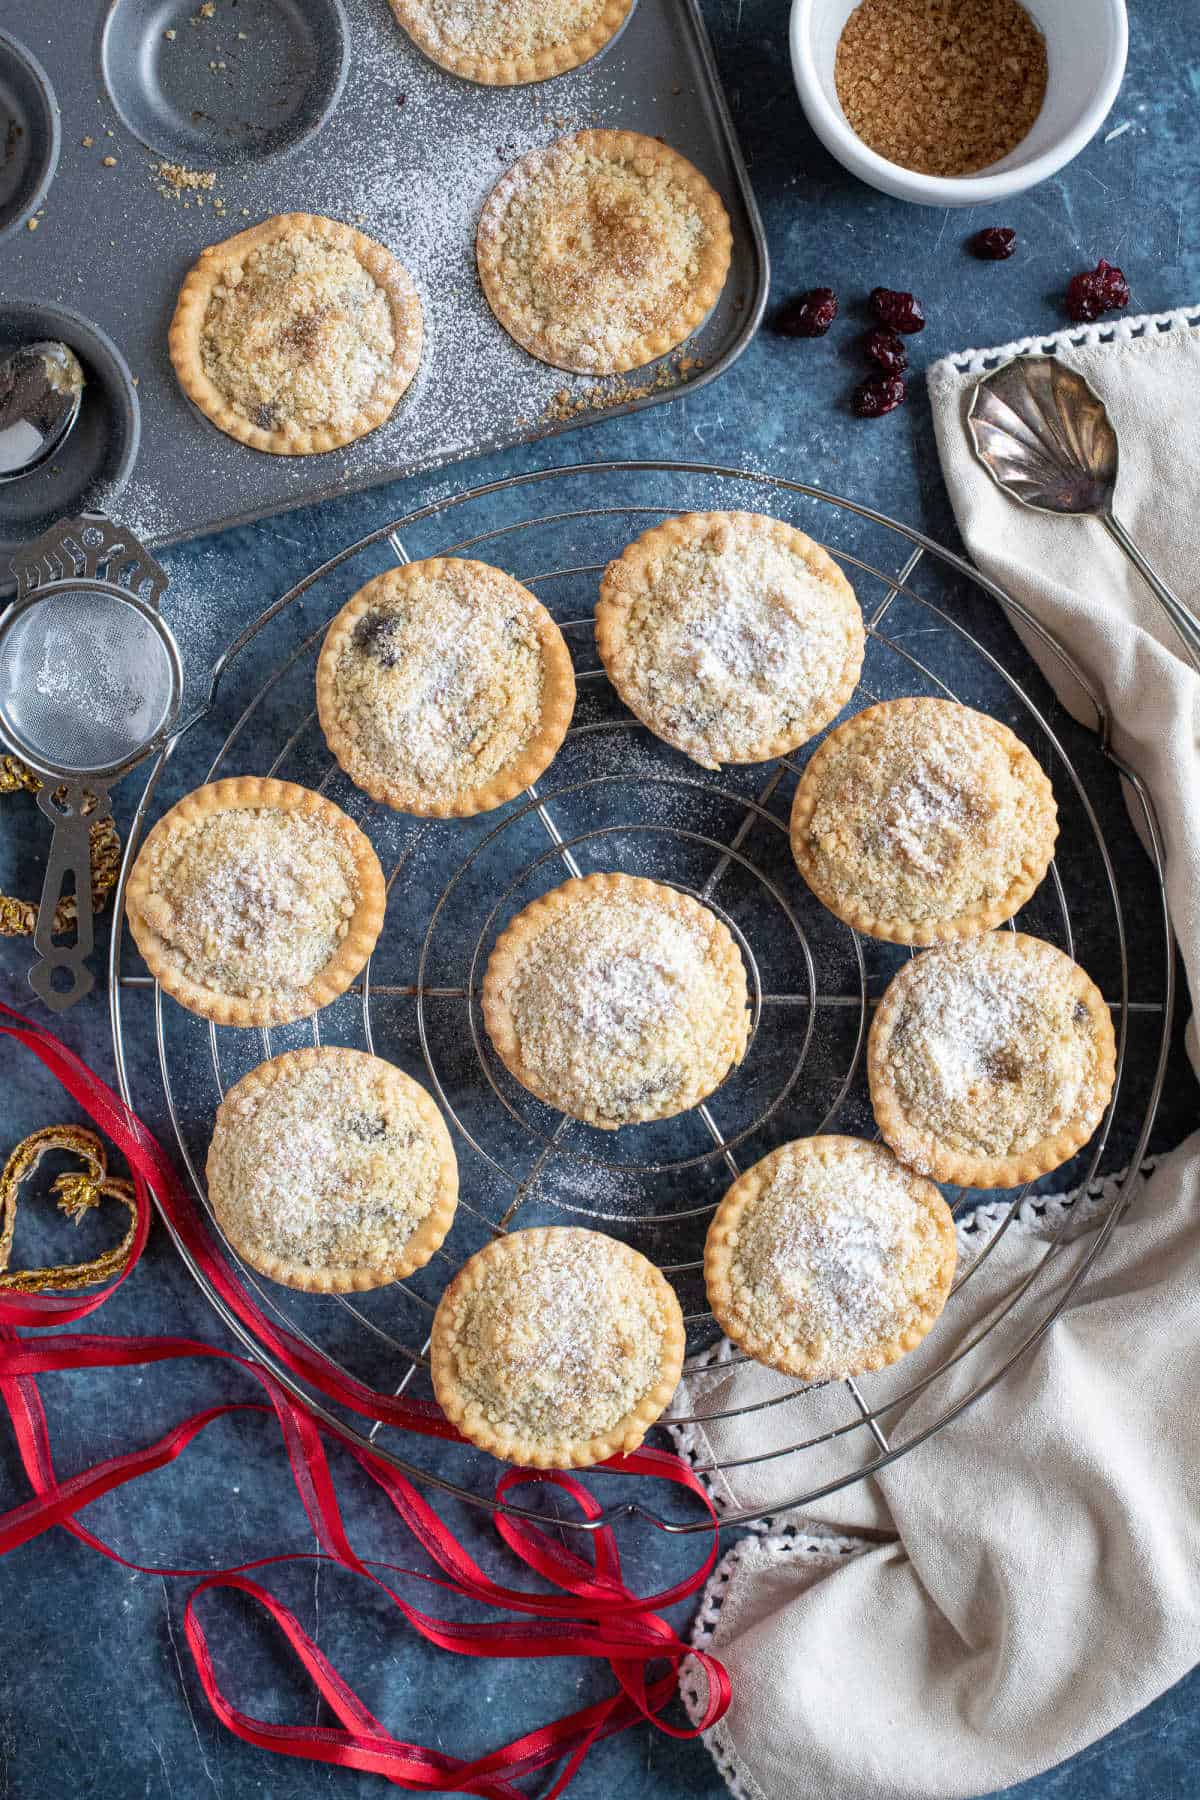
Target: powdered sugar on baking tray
(408,155)
(417,186)
(423,203)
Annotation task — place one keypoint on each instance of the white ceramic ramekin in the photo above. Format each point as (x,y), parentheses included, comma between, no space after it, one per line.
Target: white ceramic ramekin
(1086,44)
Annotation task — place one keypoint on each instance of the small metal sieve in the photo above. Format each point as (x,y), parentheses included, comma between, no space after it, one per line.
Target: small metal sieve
(90,684)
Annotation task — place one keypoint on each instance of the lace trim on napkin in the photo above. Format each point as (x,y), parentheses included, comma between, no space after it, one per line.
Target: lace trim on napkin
(1041,1215)
(1073,337)
(786,1541)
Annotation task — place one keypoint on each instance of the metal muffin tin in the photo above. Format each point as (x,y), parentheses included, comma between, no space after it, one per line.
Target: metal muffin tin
(323,106)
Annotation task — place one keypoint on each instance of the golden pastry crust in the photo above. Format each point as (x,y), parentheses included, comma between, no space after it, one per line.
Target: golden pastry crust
(297,335)
(556,1347)
(603,251)
(731,635)
(617,1000)
(829,1259)
(990,1061)
(444,688)
(920,821)
(255,902)
(501,45)
(330,1170)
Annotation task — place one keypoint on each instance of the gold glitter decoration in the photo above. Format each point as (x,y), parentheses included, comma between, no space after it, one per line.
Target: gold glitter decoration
(77,1194)
(18,917)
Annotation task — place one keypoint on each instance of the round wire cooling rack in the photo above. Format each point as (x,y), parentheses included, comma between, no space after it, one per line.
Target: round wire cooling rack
(617,798)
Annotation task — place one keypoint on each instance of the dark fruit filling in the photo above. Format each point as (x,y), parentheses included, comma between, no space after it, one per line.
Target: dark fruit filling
(375,634)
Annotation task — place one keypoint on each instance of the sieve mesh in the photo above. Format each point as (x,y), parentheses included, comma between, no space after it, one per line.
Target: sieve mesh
(87,681)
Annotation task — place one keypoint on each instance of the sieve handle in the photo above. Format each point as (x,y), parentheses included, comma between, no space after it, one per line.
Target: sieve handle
(68,871)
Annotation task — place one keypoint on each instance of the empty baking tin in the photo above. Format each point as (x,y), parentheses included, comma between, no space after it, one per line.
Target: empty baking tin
(227,87)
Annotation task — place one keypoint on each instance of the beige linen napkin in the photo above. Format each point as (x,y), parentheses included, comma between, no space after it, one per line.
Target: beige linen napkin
(1039,1575)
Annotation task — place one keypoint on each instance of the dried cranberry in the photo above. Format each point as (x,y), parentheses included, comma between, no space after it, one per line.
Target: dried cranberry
(886,347)
(1096,291)
(994,243)
(807,315)
(878,395)
(901,311)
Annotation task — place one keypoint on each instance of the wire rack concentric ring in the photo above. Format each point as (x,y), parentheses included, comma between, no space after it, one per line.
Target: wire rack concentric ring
(616,798)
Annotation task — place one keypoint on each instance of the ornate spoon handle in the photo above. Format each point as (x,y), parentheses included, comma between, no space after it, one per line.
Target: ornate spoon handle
(1187,626)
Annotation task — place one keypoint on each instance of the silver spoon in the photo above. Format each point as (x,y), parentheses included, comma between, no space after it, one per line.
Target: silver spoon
(41,388)
(1044,436)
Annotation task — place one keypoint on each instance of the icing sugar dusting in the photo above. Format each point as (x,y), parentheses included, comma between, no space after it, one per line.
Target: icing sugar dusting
(731,640)
(992,1048)
(624,1009)
(832,1257)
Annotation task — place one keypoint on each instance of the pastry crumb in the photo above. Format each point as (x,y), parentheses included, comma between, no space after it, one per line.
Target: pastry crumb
(174,179)
(564,405)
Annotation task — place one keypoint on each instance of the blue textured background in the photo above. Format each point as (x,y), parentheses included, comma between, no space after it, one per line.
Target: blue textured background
(97,1692)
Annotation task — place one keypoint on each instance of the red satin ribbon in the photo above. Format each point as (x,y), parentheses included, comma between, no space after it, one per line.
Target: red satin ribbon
(593,1615)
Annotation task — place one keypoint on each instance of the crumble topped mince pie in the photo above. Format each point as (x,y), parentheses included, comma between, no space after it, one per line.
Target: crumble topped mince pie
(556,1347)
(919,820)
(501,44)
(297,335)
(990,1061)
(444,687)
(603,251)
(617,1000)
(730,635)
(331,1170)
(829,1258)
(255,902)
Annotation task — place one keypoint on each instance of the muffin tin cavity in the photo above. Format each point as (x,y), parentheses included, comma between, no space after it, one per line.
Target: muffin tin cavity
(88,471)
(230,85)
(29,134)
